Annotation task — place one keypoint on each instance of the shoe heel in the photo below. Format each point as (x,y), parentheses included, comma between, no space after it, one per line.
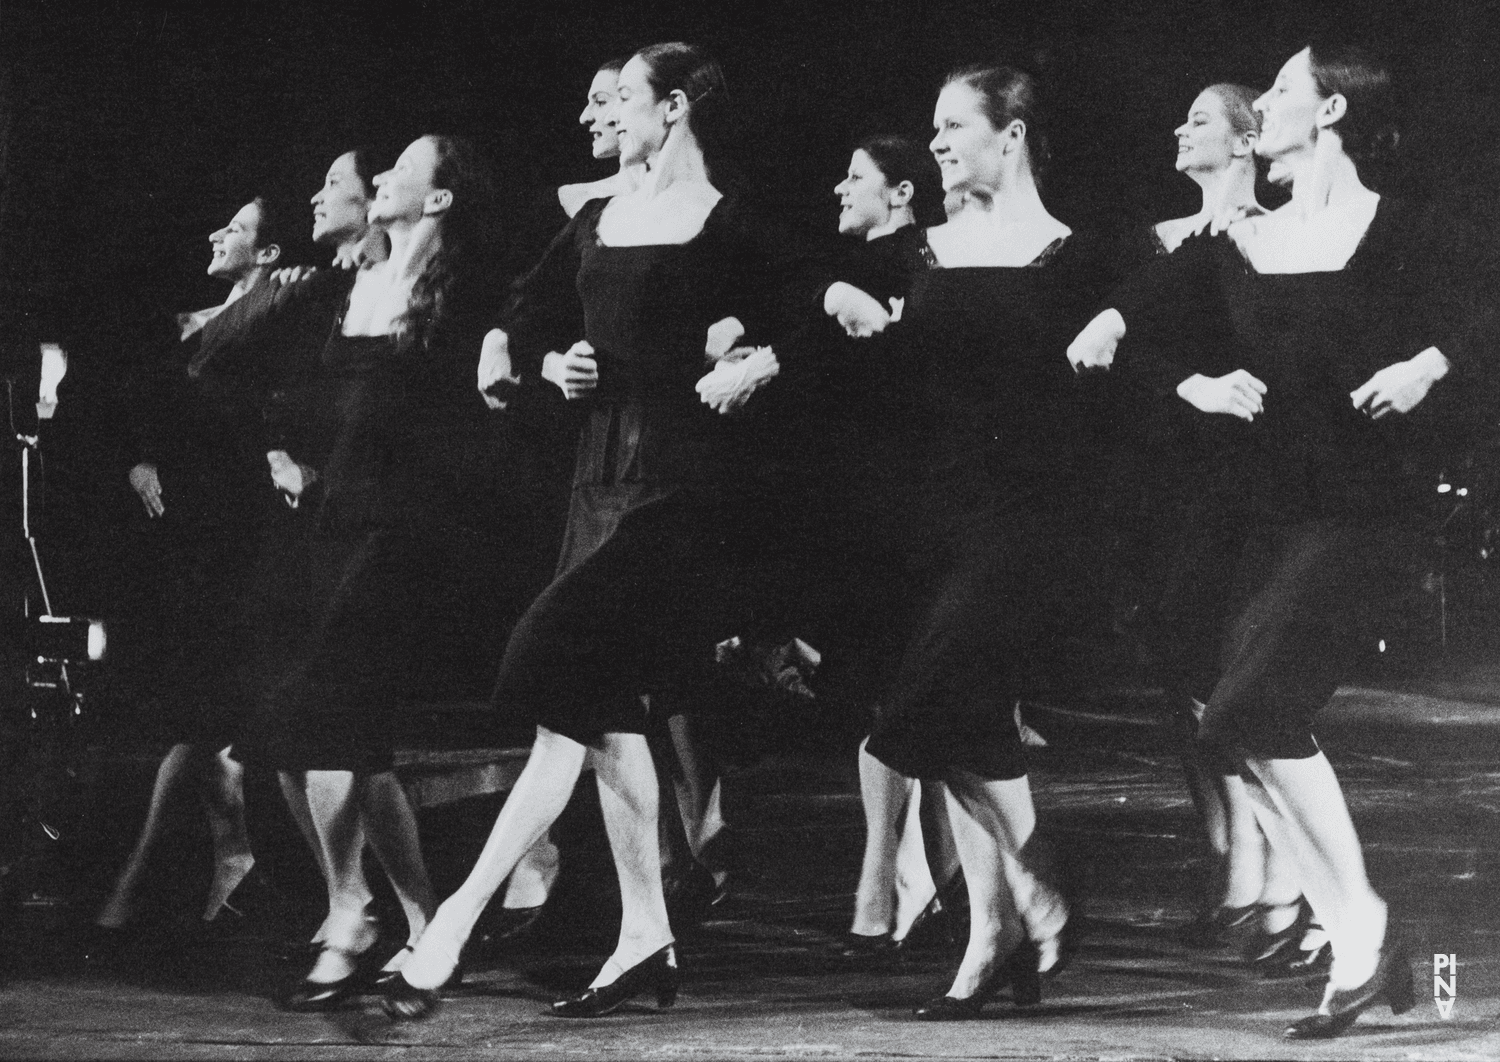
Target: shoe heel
(666,980)
(1401,992)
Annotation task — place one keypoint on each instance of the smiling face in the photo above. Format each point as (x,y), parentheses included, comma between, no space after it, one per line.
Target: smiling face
(1290,110)
(969,150)
(235,252)
(403,191)
(596,115)
(639,117)
(341,207)
(864,196)
(1206,141)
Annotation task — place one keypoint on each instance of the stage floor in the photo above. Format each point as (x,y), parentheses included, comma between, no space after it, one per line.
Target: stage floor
(762,978)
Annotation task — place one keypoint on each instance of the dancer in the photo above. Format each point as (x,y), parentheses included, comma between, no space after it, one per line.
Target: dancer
(1330,326)
(201,476)
(531,883)
(1216,149)
(1001,497)
(297,317)
(391,505)
(665,511)
(892,186)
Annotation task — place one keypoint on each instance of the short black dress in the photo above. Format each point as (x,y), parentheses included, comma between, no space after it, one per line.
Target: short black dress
(1006,434)
(1301,517)
(669,512)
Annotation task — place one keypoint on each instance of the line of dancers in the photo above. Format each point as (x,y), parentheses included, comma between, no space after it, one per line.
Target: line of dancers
(904,457)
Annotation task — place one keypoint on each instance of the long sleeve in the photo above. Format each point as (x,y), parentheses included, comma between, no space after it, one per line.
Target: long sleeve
(1170,307)
(543,312)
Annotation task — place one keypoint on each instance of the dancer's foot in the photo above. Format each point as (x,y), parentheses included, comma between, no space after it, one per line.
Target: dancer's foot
(617,984)
(343,966)
(229,873)
(965,1001)
(1392,981)
(434,964)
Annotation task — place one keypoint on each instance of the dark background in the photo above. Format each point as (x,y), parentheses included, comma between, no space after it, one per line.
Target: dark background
(128,132)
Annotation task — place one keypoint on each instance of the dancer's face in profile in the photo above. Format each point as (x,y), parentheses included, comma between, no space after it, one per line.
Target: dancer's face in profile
(969,150)
(639,117)
(864,196)
(235,253)
(1289,112)
(341,207)
(405,192)
(596,115)
(1206,141)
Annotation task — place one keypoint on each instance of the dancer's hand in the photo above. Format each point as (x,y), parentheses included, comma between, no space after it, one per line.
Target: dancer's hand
(1400,387)
(1238,393)
(722,336)
(738,376)
(576,373)
(495,377)
(290,477)
(857,311)
(1094,347)
(291,274)
(147,484)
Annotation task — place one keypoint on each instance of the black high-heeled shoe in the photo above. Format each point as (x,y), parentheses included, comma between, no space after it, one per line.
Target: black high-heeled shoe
(1392,981)
(318,996)
(1271,953)
(1018,969)
(403,1001)
(657,971)
(861,947)
(1209,929)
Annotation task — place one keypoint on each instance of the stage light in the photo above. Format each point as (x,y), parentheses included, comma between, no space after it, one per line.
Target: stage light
(67,640)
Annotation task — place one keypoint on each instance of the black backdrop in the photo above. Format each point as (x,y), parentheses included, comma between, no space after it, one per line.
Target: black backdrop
(130,131)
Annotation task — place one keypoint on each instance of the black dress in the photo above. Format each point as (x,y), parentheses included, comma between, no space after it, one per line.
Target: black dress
(1006,434)
(1302,515)
(407,524)
(200,420)
(845,417)
(668,510)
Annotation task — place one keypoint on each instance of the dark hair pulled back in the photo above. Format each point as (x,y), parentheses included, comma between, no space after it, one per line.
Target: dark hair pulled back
(899,158)
(677,67)
(1368,127)
(459,266)
(1007,95)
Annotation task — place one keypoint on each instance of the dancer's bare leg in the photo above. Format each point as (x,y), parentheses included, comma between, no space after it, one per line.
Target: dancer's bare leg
(886,796)
(628,796)
(390,824)
(121,903)
(994,923)
(294,789)
(1245,856)
(699,793)
(224,803)
(914,885)
(537,799)
(335,810)
(531,882)
(1311,823)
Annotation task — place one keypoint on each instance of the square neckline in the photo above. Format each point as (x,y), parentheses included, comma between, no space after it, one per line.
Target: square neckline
(1354,256)
(605,201)
(1047,253)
